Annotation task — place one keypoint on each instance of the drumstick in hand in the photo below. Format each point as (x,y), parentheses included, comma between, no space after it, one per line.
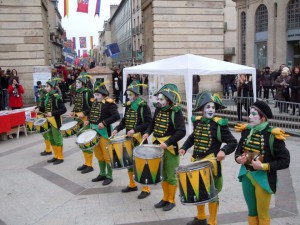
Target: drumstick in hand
(142,142)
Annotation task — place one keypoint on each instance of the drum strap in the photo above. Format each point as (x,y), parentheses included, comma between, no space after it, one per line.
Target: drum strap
(271,142)
(219,136)
(162,140)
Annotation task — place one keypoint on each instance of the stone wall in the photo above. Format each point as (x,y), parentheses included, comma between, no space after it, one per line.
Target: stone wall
(24,39)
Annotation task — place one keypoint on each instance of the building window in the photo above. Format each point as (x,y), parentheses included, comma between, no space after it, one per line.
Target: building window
(293,14)
(262,51)
(243,38)
(261,19)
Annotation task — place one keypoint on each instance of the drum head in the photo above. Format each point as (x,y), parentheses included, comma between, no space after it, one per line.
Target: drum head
(68,125)
(193,166)
(118,140)
(40,121)
(148,151)
(86,136)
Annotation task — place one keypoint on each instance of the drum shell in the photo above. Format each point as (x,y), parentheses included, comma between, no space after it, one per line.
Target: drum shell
(72,130)
(196,183)
(120,153)
(43,127)
(147,167)
(88,145)
(30,125)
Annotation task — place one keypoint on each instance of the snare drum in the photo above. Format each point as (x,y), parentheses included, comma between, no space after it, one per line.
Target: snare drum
(42,125)
(147,164)
(30,125)
(88,140)
(196,183)
(120,152)
(70,129)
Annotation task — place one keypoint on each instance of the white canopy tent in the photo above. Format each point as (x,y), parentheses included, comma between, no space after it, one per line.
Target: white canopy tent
(187,66)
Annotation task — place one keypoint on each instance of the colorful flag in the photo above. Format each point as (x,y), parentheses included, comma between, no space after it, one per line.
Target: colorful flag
(91,42)
(97,10)
(66,8)
(78,53)
(85,54)
(82,42)
(83,6)
(74,43)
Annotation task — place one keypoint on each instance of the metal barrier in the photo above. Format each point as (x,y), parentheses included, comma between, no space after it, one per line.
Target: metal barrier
(285,114)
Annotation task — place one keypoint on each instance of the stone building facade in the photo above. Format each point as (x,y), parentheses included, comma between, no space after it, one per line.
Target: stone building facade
(137,35)
(25,38)
(268,32)
(182,27)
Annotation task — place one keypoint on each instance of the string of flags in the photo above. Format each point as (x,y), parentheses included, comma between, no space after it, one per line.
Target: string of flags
(82,6)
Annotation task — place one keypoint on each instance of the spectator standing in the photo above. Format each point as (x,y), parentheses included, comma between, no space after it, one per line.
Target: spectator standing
(244,94)
(116,88)
(13,74)
(15,91)
(282,90)
(267,82)
(295,89)
(225,81)
(196,80)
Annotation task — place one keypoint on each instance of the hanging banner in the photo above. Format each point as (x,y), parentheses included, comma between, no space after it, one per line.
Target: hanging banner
(82,42)
(91,42)
(74,43)
(66,8)
(83,6)
(97,10)
(78,53)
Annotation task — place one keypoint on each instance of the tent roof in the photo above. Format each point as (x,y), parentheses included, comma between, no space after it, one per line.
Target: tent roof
(192,64)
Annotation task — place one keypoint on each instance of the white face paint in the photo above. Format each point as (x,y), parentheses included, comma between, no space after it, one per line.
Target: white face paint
(254,118)
(209,110)
(48,88)
(98,97)
(78,84)
(161,100)
(131,96)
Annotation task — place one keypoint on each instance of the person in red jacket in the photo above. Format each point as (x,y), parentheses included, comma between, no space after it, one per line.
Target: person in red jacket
(15,91)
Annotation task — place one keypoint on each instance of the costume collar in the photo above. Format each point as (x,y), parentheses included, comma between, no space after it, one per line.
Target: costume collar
(135,104)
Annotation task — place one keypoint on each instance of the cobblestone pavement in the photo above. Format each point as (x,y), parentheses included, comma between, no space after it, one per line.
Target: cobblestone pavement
(35,192)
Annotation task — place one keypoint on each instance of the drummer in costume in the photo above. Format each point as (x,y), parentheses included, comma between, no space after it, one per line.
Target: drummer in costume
(261,152)
(168,129)
(41,93)
(53,107)
(82,105)
(136,120)
(208,135)
(103,114)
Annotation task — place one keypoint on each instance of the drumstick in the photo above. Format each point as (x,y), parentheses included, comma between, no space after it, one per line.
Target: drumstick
(117,137)
(142,142)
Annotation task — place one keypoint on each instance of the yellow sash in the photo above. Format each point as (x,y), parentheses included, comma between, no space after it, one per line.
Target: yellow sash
(207,158)
(162,140)
(52,120)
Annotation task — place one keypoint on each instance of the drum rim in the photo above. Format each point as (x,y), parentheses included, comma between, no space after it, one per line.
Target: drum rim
(42,119)
(147,145)
(69,127)
(88,130)
(120,140)
(180,168)
(30,120)
(90,148)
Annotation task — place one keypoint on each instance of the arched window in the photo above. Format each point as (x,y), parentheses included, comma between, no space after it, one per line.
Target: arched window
(243,38)
(261,19)
(293,14)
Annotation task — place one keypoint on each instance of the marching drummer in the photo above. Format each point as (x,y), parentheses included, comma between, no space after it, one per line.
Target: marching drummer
(53,107)
(136,120)
(168,128)
(82,105)
(41,93)
(261,152)
(103,114)
(208,135)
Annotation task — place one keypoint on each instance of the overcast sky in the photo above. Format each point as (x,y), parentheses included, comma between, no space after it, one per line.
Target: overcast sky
(83,24)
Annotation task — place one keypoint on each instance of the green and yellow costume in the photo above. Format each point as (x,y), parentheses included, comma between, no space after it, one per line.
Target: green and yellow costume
(105,112)
(268,145)
(137,117)
(53,104)
(168,127)
(207,138)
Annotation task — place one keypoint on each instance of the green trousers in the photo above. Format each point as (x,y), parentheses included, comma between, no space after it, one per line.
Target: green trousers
(55,137)
(170,162)
(46,136)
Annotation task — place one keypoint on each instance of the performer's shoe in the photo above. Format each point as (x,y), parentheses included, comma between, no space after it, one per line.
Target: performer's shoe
(129,189)
(99,178)
(87,169)
(80,168)
(58,161)
(161,204)
(45,153)
(107,181)
(52,160)
(143,195)
(196,221)
(169,206)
